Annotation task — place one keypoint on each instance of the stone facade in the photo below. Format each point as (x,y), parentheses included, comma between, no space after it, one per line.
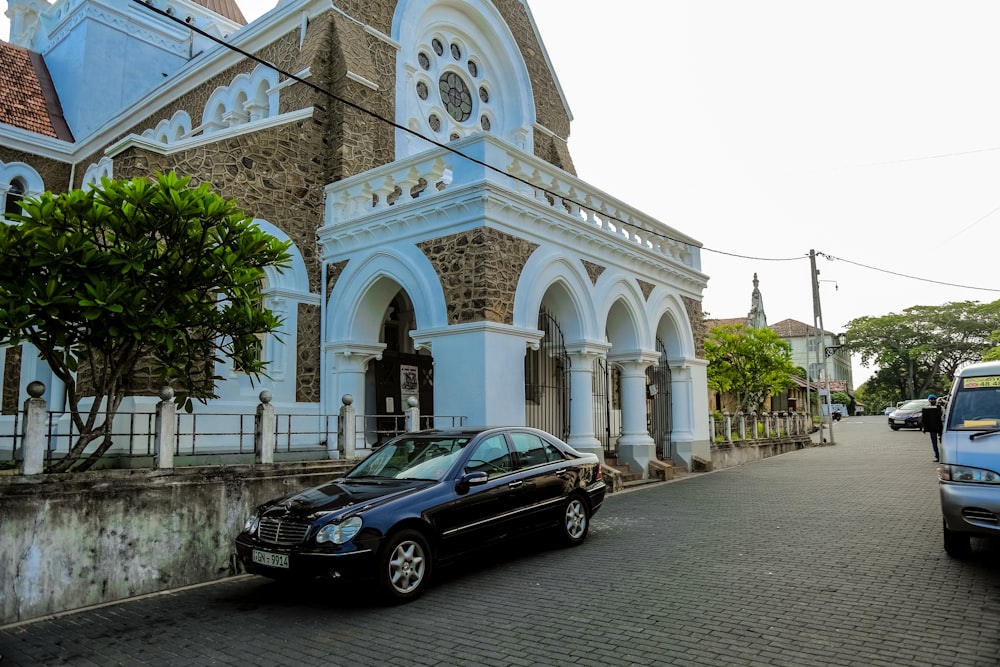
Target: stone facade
(479,271)
(449,247)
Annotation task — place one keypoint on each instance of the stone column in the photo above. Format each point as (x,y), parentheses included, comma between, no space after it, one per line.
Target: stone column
(412,414)
(689,391)
(581,416)
(635,446)
(166,429)
(265,430)
(33,436)
(347,427)
(350,363)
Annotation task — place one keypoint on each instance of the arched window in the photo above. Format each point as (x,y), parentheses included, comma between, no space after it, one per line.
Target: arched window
(12,204)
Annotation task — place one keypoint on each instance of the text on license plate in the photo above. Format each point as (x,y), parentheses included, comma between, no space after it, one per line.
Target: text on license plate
(900,421)
(269,559)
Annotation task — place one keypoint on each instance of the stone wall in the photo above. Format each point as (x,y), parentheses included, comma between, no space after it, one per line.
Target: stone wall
(479,271)
(79,539)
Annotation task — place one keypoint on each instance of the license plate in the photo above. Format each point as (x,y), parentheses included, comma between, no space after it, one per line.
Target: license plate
(900,421)
(269,559)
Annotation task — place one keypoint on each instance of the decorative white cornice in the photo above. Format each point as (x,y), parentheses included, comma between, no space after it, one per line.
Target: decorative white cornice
(362,80)
(37,144)
(424,338)
(538,127)
(137,141)
(308,298)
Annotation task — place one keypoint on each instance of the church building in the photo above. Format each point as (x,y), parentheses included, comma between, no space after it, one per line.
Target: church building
(415,154)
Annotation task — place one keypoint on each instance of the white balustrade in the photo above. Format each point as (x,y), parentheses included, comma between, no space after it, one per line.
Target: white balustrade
(434,173)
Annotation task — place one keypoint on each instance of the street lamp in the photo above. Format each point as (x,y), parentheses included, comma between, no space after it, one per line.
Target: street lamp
(842,339)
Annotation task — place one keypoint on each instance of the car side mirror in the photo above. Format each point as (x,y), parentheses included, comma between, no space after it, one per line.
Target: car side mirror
(471,479)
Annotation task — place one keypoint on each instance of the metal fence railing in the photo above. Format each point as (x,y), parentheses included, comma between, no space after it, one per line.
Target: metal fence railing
(229,437)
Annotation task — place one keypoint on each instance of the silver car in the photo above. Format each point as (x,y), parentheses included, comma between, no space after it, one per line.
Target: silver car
(969,473)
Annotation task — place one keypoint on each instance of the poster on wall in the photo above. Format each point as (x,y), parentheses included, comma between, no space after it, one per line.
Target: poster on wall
(409,384)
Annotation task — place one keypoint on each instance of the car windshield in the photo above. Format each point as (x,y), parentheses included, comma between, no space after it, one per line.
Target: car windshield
(976,405)
(411,458)
(915,405)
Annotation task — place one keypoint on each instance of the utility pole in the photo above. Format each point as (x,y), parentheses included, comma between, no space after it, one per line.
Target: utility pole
(821,348)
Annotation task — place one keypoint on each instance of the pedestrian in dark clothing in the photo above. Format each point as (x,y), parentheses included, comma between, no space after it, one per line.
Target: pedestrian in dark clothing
(931,422)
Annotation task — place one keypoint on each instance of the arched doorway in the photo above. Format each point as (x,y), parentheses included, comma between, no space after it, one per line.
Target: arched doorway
(402,372)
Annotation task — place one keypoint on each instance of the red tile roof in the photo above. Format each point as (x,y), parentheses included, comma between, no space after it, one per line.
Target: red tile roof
(27,97)
(711,324)
(794,329)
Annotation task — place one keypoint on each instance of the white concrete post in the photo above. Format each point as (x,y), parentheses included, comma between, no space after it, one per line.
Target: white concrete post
(581,408)
(33,435)
(728,426)
(767,424)
(347,427)
(636,446)
(166,429)
(265,430)
(412,414)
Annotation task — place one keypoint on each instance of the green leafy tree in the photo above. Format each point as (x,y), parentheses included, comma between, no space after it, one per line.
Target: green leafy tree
(752,363)
(139,274)
(918,351)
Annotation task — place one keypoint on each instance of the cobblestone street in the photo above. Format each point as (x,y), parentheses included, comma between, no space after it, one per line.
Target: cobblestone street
(826,556)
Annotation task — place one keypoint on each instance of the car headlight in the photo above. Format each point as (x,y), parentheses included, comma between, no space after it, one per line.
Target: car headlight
(338,533)
(253,521)
(953,473)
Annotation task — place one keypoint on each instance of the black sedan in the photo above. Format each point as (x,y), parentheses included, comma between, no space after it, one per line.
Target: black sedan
(908,415)
(422,499)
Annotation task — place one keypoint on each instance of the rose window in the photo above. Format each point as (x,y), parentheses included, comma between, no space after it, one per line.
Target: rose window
(463,95)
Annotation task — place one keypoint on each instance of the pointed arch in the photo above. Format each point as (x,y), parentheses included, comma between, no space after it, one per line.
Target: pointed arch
(667,310)
(363,291)
(561,283)
(621,310)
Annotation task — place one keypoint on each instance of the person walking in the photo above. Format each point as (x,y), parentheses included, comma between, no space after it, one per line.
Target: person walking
(931,422)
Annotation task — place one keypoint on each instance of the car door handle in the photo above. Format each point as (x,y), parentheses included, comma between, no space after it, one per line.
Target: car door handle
(514,485)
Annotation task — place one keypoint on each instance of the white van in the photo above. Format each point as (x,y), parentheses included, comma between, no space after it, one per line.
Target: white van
(969,473)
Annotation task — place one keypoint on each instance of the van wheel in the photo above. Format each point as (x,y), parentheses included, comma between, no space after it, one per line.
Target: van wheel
(957,544)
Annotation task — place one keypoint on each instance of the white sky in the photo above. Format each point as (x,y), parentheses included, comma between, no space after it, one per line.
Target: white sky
(865,129)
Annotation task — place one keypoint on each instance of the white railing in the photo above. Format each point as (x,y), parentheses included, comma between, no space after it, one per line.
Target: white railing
(475,161)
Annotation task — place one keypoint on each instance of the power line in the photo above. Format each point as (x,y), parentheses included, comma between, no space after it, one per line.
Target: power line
(904,275)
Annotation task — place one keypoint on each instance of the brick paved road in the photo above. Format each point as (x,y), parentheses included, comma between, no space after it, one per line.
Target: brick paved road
(828,556)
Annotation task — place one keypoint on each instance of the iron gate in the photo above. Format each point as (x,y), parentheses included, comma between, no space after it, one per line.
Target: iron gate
(602,405)
(658,379)
(546,380)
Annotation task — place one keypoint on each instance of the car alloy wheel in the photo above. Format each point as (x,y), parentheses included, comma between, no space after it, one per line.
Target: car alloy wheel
(576,521)
(405,566)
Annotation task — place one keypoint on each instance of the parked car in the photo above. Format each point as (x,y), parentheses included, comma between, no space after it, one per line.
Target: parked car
(888,411)
(422,499)
(908,414)
(969,473)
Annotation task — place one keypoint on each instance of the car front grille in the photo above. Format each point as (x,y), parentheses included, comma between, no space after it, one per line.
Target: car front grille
(282,531)
(979,514)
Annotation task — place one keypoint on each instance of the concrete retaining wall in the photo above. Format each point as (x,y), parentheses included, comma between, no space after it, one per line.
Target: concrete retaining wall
(74,540)
(728,455)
